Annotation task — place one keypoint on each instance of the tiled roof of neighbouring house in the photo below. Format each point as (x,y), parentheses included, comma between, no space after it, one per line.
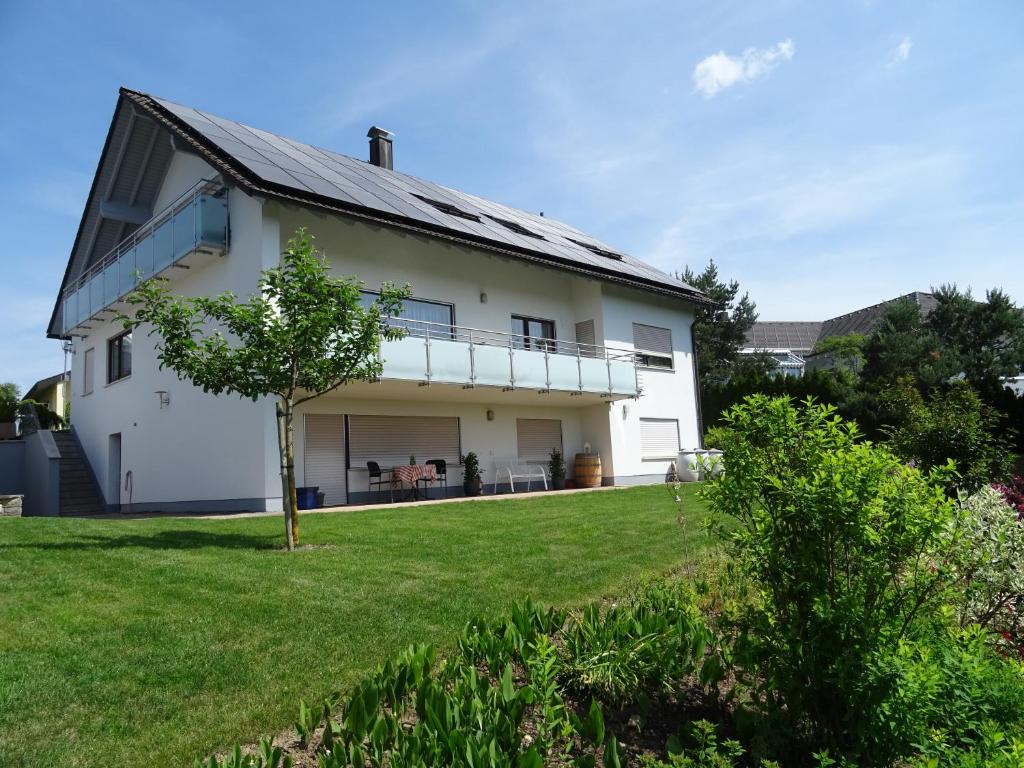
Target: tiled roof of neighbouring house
(275,165)
(863,320)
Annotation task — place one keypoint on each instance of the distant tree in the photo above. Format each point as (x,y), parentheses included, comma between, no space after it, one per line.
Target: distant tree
(720,331)
(302,335)
(9,399)
(847,352)
(901,345)
(757,363)
(987,337)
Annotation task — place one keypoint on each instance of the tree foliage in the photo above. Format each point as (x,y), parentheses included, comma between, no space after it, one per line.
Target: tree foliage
(305,333)
(846,352)
(720,330)
(9,399)
(986,338)
(902,345)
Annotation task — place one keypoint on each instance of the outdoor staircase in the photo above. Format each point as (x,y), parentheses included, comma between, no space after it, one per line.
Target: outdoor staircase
(78,492)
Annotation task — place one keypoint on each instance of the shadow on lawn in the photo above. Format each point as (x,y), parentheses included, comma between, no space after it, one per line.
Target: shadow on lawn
(181,539)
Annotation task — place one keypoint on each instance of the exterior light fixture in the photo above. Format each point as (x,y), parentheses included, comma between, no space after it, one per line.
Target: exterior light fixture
(490,415)
(483,297)
(165,398)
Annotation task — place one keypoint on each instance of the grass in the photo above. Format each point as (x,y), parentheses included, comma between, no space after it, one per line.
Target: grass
(154,642)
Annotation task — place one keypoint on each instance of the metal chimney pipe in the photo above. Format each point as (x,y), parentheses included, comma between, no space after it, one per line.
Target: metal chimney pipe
(381,153)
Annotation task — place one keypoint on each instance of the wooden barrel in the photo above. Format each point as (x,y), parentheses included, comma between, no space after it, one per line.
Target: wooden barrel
(588,470)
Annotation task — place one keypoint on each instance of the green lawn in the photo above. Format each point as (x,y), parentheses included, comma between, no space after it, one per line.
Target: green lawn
(153,642)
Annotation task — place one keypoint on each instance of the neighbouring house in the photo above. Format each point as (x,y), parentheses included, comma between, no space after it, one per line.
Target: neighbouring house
(525,334)
(792,343)
(53,392)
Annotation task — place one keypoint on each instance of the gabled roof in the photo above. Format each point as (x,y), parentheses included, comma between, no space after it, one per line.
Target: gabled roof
(42,385)
(863,321)
(266,164)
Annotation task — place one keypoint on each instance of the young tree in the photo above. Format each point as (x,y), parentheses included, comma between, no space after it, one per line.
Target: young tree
(9,399)
(304,334)
(720,330)
(847,351)
(986,336)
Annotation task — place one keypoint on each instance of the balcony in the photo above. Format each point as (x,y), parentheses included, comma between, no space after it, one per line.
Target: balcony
(195,223)
(433,353)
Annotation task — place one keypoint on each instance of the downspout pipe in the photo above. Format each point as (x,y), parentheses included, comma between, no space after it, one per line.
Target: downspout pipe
(696,386)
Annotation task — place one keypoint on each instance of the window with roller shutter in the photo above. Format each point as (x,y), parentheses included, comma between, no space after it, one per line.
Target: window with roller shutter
(659,438)
(653,346)
(536,438)
(391,440)
(323,459)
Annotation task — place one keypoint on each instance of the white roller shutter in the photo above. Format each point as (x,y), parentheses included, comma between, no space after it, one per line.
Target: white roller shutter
(391,440)
(659,438)
(650,338)
(537,437)
(323,456)
(87,372)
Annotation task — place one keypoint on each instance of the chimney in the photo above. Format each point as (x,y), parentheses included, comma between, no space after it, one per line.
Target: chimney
(380,148)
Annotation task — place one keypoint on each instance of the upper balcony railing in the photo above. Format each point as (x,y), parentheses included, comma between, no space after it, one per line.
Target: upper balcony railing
(196,221)
(440,353)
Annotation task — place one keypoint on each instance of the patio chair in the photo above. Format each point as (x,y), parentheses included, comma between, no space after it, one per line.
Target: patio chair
(380,478)
(442,476)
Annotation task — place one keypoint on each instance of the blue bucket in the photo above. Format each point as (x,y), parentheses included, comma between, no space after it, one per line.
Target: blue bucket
(307,496)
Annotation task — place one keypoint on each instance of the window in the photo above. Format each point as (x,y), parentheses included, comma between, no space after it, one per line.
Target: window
(87,371)
(519,229)
(596,249)
(533,333)
(422,315)
(391,440)
(448,208)
(536,438)
(653,346)
(659,438)
(119,357)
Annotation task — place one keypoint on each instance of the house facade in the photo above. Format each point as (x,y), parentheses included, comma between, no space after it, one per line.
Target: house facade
(523,334)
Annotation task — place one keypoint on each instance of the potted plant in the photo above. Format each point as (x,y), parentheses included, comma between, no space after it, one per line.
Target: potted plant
(556,468)
(471,484)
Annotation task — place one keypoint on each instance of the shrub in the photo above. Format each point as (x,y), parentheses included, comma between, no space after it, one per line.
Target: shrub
(953,424)
(1013,492)
(991,566)
(841,537)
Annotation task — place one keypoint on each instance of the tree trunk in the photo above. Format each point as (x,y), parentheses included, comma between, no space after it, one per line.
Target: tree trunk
(286,492)
(289,442)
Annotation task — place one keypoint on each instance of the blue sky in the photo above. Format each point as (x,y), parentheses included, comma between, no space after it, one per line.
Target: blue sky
(827,155)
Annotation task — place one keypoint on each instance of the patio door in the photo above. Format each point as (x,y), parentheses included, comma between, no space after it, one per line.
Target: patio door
(323,458)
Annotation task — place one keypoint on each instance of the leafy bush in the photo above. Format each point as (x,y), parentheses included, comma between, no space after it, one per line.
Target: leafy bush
(991,566)
(8,402)
(1013,492)
(842,538)
(947,693)
(953,424)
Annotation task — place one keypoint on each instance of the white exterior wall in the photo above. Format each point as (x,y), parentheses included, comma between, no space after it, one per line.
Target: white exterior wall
(220,452)
(200,448)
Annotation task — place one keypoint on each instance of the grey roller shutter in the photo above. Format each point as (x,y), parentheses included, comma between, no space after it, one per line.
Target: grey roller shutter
(586,337)
(537,437)
(323,459)
(650,338)
(659,438)
(391,440)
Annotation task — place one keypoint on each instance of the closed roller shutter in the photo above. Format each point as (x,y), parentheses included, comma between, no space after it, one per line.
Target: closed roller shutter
(585,335)
(323,459)
(659,438)
(391,440)
(537,437)
(652,339)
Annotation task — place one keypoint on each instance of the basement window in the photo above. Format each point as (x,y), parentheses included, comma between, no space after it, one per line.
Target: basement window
(519,229)
(596,249)
(451,210)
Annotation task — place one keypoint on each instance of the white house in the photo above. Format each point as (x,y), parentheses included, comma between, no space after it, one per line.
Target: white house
(526,334)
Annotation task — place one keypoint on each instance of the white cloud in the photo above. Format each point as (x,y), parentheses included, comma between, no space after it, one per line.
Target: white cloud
(902,52)
(720,70)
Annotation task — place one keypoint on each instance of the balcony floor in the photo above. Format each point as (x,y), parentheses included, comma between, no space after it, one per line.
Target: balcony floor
(455,393)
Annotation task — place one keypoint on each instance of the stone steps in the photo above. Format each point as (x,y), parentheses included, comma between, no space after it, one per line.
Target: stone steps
(78,493)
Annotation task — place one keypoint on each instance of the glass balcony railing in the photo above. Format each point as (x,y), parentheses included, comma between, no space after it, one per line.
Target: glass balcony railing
(196,221)
(450,354)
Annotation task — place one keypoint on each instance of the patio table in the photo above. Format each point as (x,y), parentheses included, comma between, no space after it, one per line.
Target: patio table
(412,474)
